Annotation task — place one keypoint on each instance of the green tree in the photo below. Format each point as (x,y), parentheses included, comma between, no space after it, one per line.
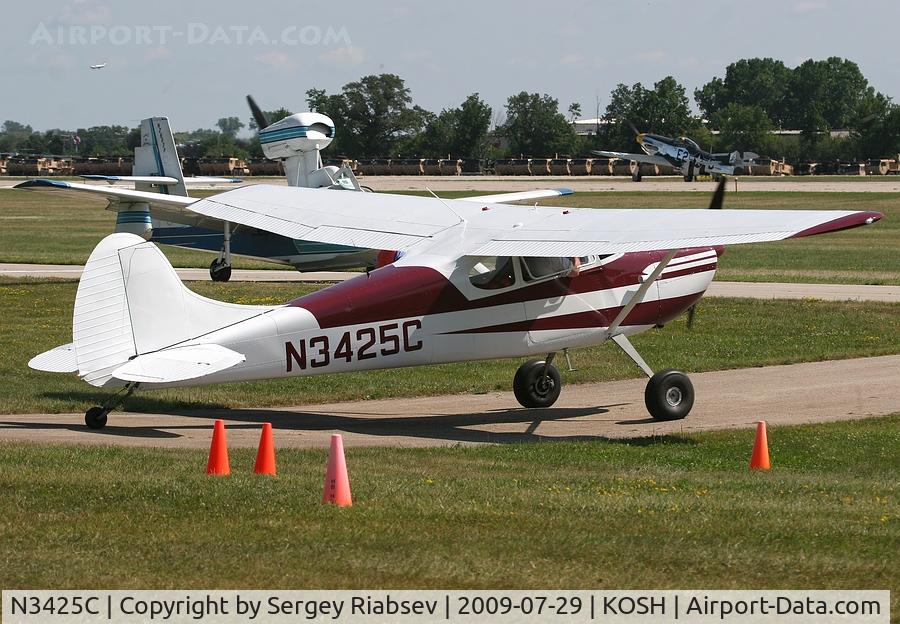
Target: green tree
(14,135)
(743,127)
(826,94)
(459,132)
(374,116)
(230,126)
(662,110)
(759,82)
(535,127)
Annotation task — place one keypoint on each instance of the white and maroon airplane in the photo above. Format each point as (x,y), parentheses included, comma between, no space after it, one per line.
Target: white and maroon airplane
(474,281)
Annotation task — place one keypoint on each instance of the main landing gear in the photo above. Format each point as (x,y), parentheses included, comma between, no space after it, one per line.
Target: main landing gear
(669,394)
(537,383)
(220,268)
(95,417)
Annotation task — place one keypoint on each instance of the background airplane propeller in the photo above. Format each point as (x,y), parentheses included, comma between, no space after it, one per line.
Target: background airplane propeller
(715,203)
(258,115)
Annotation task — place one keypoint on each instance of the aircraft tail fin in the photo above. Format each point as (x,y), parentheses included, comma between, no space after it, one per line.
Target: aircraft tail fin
(130,302)
(157,156)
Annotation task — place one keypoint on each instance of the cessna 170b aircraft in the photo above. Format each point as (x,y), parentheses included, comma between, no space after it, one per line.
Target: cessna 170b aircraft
(681,153)
(295,141)
(477,280)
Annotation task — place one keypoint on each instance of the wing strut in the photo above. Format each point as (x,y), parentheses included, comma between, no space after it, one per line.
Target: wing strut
(620,339)
(639,295)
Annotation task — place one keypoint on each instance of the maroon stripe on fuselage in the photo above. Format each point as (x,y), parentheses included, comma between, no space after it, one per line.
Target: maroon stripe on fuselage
(410,291)
(646,313)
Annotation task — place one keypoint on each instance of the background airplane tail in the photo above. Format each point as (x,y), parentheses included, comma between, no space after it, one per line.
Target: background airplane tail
(130,302)
(156,156)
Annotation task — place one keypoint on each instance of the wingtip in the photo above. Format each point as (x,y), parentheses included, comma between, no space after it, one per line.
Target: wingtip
(564,191)
(42,183)
(853,220)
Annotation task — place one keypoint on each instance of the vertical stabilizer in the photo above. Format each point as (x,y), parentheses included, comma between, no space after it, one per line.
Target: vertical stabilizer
(157,156)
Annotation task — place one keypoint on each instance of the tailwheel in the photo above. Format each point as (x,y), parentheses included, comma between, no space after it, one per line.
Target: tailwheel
(219,271)
(537,384)
(669,395)
(95,418)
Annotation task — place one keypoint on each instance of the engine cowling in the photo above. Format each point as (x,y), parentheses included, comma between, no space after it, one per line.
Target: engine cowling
(295,135)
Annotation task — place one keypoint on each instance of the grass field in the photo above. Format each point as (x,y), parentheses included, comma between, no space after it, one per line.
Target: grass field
(667,512)
(728,333)
(43,228)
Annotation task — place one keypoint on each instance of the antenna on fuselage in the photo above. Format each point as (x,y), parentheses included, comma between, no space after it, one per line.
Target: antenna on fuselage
(461,218)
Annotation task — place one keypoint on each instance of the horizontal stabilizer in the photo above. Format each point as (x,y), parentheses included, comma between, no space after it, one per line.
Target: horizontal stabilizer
(59,359)
(178,364)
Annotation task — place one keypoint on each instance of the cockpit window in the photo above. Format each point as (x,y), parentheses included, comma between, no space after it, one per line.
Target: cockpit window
(539,268)
(493,273)
(689,142)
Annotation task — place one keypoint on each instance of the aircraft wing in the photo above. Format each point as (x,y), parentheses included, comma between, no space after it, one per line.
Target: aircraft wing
(161,180)
(166,207)
(505,198)
(641,158)
(424,224)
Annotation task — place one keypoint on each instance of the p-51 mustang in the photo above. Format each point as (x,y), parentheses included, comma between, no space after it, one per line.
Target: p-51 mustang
(476,281)
(681,153)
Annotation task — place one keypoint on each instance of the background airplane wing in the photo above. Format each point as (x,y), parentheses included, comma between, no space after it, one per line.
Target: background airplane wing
(165,207)
(641,158)
(162,180)
(399,222)
(504,198)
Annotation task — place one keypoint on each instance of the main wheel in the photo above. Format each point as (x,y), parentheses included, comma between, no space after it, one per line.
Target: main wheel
(535,388)
(636,176)
(219,271)
(95,418)
(669,395)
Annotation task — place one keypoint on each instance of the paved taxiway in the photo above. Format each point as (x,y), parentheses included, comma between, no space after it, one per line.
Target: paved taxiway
(782,395)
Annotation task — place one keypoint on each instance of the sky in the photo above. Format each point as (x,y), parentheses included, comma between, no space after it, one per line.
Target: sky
(195,61)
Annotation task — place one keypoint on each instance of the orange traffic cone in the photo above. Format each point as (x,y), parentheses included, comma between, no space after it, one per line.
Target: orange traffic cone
(265,456)
(759,460)
(337,483)
(218,452)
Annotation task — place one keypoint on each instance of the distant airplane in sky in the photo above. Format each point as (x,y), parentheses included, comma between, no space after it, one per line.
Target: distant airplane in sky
(100,66)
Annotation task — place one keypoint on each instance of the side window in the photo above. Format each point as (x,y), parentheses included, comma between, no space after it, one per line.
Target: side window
(540,268)
(493,273)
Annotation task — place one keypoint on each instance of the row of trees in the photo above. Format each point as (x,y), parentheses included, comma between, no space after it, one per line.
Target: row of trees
(375,116)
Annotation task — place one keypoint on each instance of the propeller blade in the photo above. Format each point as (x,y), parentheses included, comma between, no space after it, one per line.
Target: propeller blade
(718,197)
(258,115)
(632,126)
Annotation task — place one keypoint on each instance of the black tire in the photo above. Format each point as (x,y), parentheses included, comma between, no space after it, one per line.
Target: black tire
(219,271)
(636,176)
(669,395)
(95,418)
(535,389)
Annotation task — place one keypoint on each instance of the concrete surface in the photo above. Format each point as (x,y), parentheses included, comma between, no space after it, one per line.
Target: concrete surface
(782,395)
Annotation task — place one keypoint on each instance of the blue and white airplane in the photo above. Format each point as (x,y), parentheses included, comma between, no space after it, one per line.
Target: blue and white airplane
(158,180)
